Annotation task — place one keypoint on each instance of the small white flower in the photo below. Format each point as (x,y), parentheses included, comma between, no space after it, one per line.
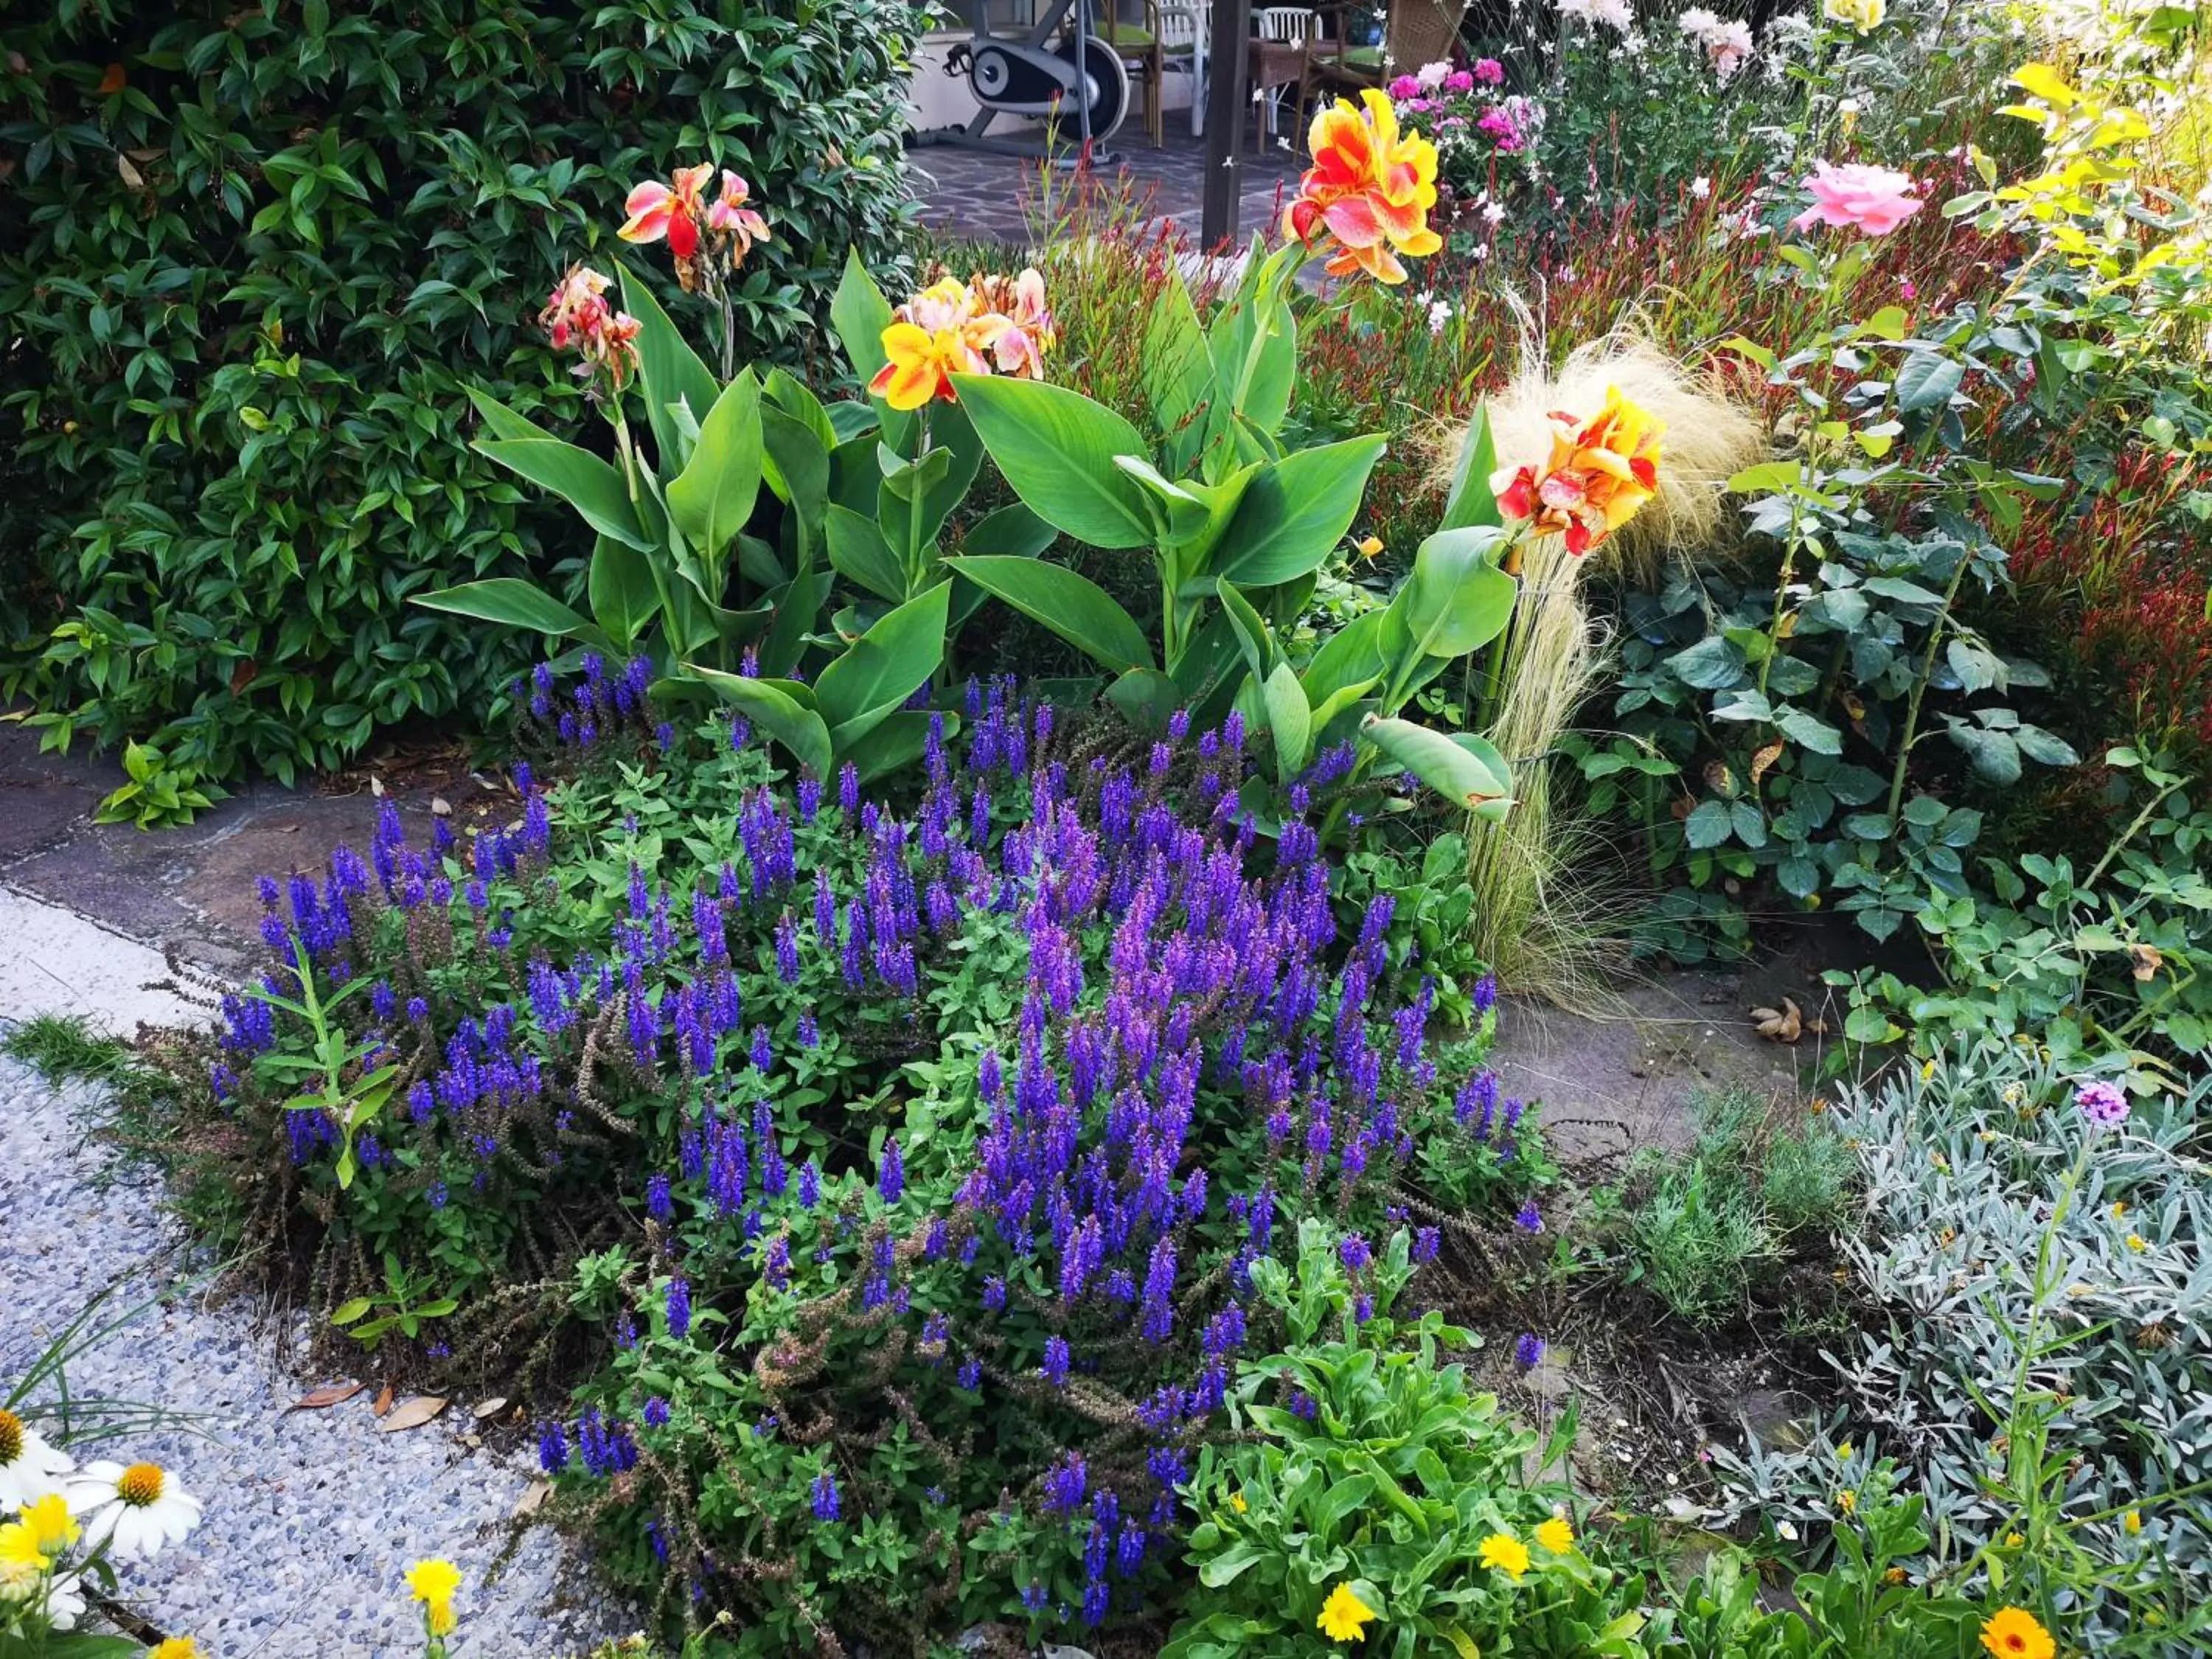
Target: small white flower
(1440,313)
(65,1600)
(29,1468)
(1701,188)
(141,1508)
(1494,212)
(1698,23)
(1788,1529)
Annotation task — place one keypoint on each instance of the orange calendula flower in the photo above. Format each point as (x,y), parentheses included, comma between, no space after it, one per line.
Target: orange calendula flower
(1369,189)
(1598,474)
(2015,1633)
(674,210)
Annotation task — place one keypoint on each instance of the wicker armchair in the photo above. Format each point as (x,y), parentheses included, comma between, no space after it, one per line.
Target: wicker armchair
(1416,32)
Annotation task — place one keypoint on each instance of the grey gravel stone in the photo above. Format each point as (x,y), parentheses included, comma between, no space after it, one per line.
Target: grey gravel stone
(311,1517)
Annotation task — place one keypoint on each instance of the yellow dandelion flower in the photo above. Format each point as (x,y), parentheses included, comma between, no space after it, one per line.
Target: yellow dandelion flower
(177,1646)
(1236,1501)
(2119,1209)
(1342,1615)
(1556,1535)
(50,1523)
(1506,1553)
(2015,1633)
(433,1580)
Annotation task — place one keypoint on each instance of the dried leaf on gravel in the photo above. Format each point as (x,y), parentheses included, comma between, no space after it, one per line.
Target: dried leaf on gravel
(383,1401)
(533,1497)
(412,1413)
(491,1408)
(330,1393)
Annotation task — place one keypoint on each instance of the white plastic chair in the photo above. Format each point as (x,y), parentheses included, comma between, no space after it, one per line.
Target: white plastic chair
(1182,35)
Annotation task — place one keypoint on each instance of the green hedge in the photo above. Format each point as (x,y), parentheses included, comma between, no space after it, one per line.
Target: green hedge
(251,255)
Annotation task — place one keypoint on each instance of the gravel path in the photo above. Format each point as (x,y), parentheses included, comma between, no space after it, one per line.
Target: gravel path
(311,1517)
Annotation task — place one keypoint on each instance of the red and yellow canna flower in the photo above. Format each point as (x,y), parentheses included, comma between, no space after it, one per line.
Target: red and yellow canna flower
(1369,189)
(991,324)
(577,314)
(674,210)
(1599,473)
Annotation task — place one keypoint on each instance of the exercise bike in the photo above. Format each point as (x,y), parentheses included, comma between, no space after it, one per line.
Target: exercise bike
(1079,83)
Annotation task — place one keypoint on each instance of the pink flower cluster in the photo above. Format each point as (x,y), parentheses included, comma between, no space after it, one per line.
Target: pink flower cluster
(1503,129)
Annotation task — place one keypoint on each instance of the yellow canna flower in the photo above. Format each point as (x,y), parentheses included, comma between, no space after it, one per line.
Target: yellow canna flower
(1556,1535)
(1367,195)
(2015,1633)
(1342,1615)
(1506,1553)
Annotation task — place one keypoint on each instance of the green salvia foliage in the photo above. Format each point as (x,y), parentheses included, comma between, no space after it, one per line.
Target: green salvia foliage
(250,259)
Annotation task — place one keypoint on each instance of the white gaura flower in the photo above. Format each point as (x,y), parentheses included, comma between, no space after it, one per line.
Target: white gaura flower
(65,1600)
(29,1468)
(140,1508)
(1701,187)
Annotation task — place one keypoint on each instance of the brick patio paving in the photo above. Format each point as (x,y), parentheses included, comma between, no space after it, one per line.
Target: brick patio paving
(990,198)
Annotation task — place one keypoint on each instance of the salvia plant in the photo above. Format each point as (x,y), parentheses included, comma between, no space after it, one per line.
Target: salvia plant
(904,1167)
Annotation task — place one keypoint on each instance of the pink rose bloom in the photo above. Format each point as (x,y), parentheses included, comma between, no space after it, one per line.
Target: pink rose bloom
(1876,200)
(1458,80)
(1490,71)
(1405,87)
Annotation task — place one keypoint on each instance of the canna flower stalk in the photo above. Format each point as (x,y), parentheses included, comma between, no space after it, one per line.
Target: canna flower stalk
(1600,473)
(1366,199)
(708,239)
(988,324)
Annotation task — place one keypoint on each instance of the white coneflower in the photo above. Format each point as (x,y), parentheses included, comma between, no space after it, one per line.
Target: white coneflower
(29,1468)
(140,1508)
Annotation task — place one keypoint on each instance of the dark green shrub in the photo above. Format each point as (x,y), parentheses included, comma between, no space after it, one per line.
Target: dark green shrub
(249,259)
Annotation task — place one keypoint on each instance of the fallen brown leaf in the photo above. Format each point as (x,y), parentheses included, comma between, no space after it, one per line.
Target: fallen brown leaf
(441,807)
(329,1395)
(491,1408)
(383,1401)
(376,786)
(533,1497)
(412,1413)
(2145,961)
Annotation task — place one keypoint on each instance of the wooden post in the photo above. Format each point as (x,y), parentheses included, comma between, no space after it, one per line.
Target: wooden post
(1228,57)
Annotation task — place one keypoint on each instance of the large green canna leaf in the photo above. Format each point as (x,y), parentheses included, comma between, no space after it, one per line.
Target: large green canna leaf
(860,313)
(894,744)
(1472,502)
(1177,374)
(668,372)
(713,496)
(1254,637)
(504,421)
(1290,719)
(1056,448)
(782,709)
(1072,606)
(1461,766)
(580,479)
(1294,512)
(886,665)
(797,469)
(508,601)
(860,554)
(624,600)
(798,608)
(1457,599)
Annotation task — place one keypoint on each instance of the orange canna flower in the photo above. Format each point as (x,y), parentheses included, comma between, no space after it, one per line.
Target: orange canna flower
(1368,191)
(1599,473)
(991,324)
(673,210)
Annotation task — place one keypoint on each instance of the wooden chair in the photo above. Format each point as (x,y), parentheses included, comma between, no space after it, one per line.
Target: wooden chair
(1416,32)
(1278,26)
(1143,54)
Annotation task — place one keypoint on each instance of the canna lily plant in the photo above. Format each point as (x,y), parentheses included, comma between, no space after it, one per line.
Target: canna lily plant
(1237,524)
(719,580)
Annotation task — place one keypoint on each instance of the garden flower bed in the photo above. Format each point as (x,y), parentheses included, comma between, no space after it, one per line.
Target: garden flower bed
(952,1097)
